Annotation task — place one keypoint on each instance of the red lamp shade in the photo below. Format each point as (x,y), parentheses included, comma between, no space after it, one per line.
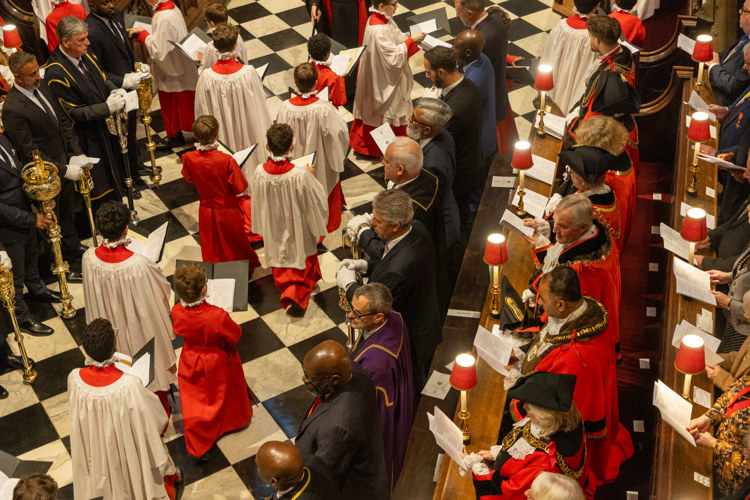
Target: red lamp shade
(543,80)
(691,356)
(522,156)
(464,373)
(11,39)
(699,129)
(694,226)
(704,49)
(495,253)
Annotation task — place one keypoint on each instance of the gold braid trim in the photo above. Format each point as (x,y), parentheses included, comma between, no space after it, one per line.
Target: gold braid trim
(543,446)
(598,213)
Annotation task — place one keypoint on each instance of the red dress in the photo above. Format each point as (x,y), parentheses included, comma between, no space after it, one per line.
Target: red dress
(219,180)
(214,394)
(334,82)
(53,19)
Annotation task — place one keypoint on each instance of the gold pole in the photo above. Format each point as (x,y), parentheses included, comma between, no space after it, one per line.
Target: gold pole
(495,291)
(7,295)
(540,132)
(351,241)
(692,189)
(84,187)
(699,82)
(144,104)
(463,414)
(521,193)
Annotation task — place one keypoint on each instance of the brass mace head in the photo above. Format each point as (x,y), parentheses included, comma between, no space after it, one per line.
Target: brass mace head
(40,179)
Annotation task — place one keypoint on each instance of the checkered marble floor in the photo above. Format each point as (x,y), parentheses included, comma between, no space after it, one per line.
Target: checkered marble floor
(34,419)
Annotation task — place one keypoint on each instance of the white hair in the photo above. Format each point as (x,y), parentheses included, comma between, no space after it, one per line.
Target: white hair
(550,486)
(580,206)
(406,152)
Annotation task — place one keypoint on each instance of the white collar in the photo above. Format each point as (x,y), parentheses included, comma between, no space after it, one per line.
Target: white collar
(72,59)
(425,142)
(206,147)
(484,15)
(393,185)
(444,91)
(392,243)
(157,4)
(601,59)
(373,9)
(322,63)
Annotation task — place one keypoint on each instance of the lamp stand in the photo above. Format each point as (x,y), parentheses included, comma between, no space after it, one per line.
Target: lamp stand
(692,189)
(520,210)
(691,253)
(686,386)
(540,131)
(495,291)
(699,83)
(464,416)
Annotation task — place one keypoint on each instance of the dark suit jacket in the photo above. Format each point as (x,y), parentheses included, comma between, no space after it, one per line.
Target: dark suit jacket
(728,78)
(729,240)
(344,433)
(466,128)
(440,159)
(115,54)
(28,127)
(734,124)
(496,48)
(16,216)
(483,76)
(316,484)
(734,193)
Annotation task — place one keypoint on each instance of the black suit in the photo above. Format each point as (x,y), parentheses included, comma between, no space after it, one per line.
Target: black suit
(18,229)
(495,48)
(344,433)
(440,159)
(30,128)
(316,484)
(728,78)
(408,270)
(729,240)
(466,128)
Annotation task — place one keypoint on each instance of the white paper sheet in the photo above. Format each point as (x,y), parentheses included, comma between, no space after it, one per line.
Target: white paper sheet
(424,27)
(154,243)
(304,161)
(220,293)
(494,348)
(686,43)
(673,242)
(710,219)
(698,104)
(675,411)
(711,128)
(705,321)
(437,385)
(383,136)
(261,70)
(722,163)
(447,434)
(139,24)
(192,45)
(515,223)
(701,397)
(503,181)
(241,156)
(7,485)
(692,282)
(430,42)
(533,202)
(323,95)
(543,170)
(342,63)
(554,125)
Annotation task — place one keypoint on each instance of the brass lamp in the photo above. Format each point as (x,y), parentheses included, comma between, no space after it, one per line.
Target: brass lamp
(699,131)
(463,378)
(694,229)
(495,254)
(543,83)
(521,161)
(690,360)
(703,52)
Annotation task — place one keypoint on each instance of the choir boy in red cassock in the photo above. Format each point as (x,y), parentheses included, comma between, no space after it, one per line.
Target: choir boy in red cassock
(319,48)
(62,9)
(632,26)
(174,74)
(219,181)
(290,214)
(318,128)
(214,394)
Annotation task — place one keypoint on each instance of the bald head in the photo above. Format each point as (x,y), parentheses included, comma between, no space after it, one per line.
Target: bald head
(402,160)
(279,464)
(327,366)
(468,46)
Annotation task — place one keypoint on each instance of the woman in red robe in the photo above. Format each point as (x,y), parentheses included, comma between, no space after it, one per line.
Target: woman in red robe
(214,394)
(219,180)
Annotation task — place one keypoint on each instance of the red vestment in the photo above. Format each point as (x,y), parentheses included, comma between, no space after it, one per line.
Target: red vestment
(624,187)
(335,83)
(53,19)
(214,394)
(632,27)
(219,180)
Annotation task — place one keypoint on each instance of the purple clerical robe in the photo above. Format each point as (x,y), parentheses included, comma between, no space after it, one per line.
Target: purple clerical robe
(386,356)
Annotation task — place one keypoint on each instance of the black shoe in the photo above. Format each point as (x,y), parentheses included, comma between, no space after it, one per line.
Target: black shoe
(74,277)
(137,194)
(295,310)
(3,392)
(162,145)
(179,484)
(143,171)
(10,362)
(35,328)
(176,141)
(75,253)
(45,296)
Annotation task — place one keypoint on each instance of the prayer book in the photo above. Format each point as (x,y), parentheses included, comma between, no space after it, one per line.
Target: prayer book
(430,42)
(193,43)
(447,434)
(240,156)
(261,70)
(673,242)
(154,246)
(543,170)
(692,282)
(674,410)
(685,43)
(304,161)
(430,22)
(220,293)
(553,125)
(515,223)
(698,104)
(140,365)
(133,21)
(343,60)
(494,348)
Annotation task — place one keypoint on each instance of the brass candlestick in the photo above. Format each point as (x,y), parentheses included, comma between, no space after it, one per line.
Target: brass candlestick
(495,305)
(692,189)
(41,183)
(144,104)
(521,192)
(463,415)
(8,295)
(540,131)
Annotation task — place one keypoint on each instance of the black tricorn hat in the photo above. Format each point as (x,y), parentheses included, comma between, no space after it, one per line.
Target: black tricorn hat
(553,391)
(592,163)
(615,95)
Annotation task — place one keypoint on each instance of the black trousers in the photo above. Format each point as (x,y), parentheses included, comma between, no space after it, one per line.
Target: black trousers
(24,255)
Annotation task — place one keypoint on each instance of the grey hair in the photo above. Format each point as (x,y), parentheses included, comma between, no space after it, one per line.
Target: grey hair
(378,295)
(406,152)
(437,113)
(395,206)
(580,206)
(70,26)
(550,486)
(18,60)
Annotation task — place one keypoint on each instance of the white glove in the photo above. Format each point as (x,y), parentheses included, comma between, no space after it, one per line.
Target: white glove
(474,463)
(353,225)
(528,297)
(115,102)
(74,172)
(132,80)
(359,265)
(5,260)
(345,277)
(145,70)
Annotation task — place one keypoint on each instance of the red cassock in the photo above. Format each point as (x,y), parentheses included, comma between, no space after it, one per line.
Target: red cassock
(53,19)
(624,187)
(214,394)
(219,180)
(632,27)
(335,83)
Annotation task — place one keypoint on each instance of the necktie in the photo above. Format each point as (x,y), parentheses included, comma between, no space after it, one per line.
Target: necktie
(6,158)
(115,30)
(87,74)
(44,105)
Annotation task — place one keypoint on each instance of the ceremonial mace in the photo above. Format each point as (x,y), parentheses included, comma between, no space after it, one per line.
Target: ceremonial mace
(41,183)
(352,241)
(144,104)
(120,129)
(8,295)
(84,186)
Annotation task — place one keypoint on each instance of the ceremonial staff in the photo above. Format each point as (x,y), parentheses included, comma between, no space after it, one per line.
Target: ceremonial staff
(120,129)
(84,186)
(144,104)
(7,296)
(352,241)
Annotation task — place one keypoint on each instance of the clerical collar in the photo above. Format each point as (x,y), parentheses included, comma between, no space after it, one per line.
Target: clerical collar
(444,92)
(474,26)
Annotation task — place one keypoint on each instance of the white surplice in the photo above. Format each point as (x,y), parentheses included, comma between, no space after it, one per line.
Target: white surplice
(115,440)
(384,79)
(290,213)
(212,55)
(134,296)
(238,102)
(173,71)
(318,127)
(568,51)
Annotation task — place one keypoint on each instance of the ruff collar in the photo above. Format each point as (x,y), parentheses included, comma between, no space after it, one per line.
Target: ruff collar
(206,147)
(114,244)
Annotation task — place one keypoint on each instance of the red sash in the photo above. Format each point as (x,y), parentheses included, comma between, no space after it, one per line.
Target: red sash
(736,405)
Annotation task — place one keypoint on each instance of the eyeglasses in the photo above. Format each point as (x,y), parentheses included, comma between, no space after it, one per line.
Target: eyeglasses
(360,316)
(414,120)
(309,380)
(743,10)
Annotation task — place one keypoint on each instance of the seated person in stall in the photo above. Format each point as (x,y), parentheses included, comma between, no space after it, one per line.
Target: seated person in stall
(736,363)
(291,214)
(216,13)
(632,26)
(729,240)
(218,180)
(318,128)
(214,394)
(319,48)
(736,328)
(727,72)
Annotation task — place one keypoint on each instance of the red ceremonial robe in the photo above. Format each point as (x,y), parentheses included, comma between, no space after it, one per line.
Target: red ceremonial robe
(562,453)
(582,349)
(335,84)
(623,184)
(219,180)
(53,19)
(632,27)
(102,377)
